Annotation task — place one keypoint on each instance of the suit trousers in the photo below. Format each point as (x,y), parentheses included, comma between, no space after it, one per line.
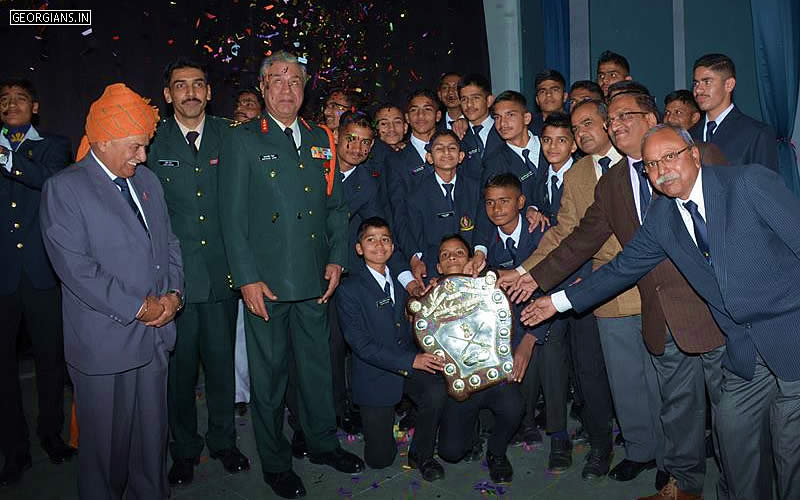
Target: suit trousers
(380,448)
(684,379)
(548,367)
(758,425)
(591,376)
(41,311)
(301,326)
(339,356)
(123,444)
(241,372)
(634,387)
(428,392)
(459,417)
(206,334)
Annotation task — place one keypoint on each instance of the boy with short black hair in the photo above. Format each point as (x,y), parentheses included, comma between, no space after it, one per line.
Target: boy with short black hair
(558,145)
(443,203)
(371,307)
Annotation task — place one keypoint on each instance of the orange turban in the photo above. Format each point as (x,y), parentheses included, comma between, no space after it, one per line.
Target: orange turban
(120,112)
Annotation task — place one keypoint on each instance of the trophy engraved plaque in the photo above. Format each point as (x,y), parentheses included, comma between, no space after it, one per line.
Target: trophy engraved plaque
(469,323)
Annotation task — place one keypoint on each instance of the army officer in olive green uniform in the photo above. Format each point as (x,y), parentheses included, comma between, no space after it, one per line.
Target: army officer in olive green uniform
(285,236)
(185,156)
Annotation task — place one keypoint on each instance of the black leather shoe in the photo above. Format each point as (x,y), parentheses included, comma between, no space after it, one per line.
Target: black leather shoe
(527,435)
(430,469)
(350,424)
(241,409)
(580,436)
(597,464)
(619,440)
(476,453)
(57,449)
(341,460)
(232,459)
(560,455)
(299,446)
(500,469)
(662,478)
(628,469)
(12,471)
(182,471)
(285,484)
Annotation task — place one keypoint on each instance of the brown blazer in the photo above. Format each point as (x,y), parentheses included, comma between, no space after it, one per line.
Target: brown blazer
(578,195)
(666,295)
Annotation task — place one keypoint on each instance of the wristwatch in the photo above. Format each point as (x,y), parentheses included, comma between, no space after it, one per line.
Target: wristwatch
(178,294)
(3,156)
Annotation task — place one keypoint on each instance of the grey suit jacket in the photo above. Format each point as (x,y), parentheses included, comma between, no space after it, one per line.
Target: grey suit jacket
(108,265)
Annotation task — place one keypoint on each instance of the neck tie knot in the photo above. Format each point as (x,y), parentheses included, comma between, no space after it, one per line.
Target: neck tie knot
(290,134)
(526,154)
(191,137)
(710,128)
(448,188)
(122,184)
(604,162)
(511,247)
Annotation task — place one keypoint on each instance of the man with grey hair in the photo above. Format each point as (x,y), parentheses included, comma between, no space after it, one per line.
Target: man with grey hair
(285,231)
(732,232)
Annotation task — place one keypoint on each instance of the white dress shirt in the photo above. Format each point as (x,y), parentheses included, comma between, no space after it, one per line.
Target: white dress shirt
(718,121)
(130,187)
(199,129)
(636,178)
(515,234)
(533,146)
(487,123)
(419,145)
(696,195)
(382,279)
(612,153)
(559,176)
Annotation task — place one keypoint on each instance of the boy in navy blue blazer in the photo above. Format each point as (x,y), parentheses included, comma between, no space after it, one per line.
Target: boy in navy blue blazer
(510,244)
(444,202)
(457,429)
(386,360)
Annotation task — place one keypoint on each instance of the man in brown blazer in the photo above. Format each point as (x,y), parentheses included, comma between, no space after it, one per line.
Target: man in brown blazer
(685,342)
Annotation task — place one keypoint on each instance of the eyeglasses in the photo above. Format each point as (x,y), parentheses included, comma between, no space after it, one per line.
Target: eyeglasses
(336,106)
(625,117)
(667,159)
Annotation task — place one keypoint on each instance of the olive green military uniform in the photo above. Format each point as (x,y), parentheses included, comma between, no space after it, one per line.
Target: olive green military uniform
(207,324)
(280,227)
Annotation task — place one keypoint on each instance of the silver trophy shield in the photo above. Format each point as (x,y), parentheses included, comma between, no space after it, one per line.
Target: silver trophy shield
(469,323)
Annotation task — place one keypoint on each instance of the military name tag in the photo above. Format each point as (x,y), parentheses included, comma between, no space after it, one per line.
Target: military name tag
(268,157)
(468,322)
(169,163)
(443,215)
(321,153)
(472,152)
(417,170)
(383,302)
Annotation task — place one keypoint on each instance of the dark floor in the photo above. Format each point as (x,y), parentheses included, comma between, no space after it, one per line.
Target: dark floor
(462,481)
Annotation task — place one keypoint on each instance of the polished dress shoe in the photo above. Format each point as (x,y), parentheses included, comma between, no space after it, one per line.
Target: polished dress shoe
(350,423)
(408,421)
(500,469)
(182,471)
(285,484)
(597,464)
(341,460)
(12,471)
(299,446)
(57,449)
(670,491)
(560,455)
(476,453)
(527,435)
(662,478)
(232,459)
(429,468)
(629,469)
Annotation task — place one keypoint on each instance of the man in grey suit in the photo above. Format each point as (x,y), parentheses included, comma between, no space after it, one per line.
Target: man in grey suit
(107,232)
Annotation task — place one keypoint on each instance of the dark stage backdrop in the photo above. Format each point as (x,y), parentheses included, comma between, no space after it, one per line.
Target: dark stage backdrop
(383,49)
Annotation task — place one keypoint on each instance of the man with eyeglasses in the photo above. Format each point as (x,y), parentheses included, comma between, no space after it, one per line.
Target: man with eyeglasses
(339,101)
(743,139)
(550,97)
(685,344)
(732,232)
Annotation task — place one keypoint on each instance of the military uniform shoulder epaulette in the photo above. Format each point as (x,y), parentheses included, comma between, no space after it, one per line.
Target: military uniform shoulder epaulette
(236,123)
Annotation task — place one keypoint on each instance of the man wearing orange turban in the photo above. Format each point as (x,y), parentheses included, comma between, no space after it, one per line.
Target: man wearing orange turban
(107,233)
